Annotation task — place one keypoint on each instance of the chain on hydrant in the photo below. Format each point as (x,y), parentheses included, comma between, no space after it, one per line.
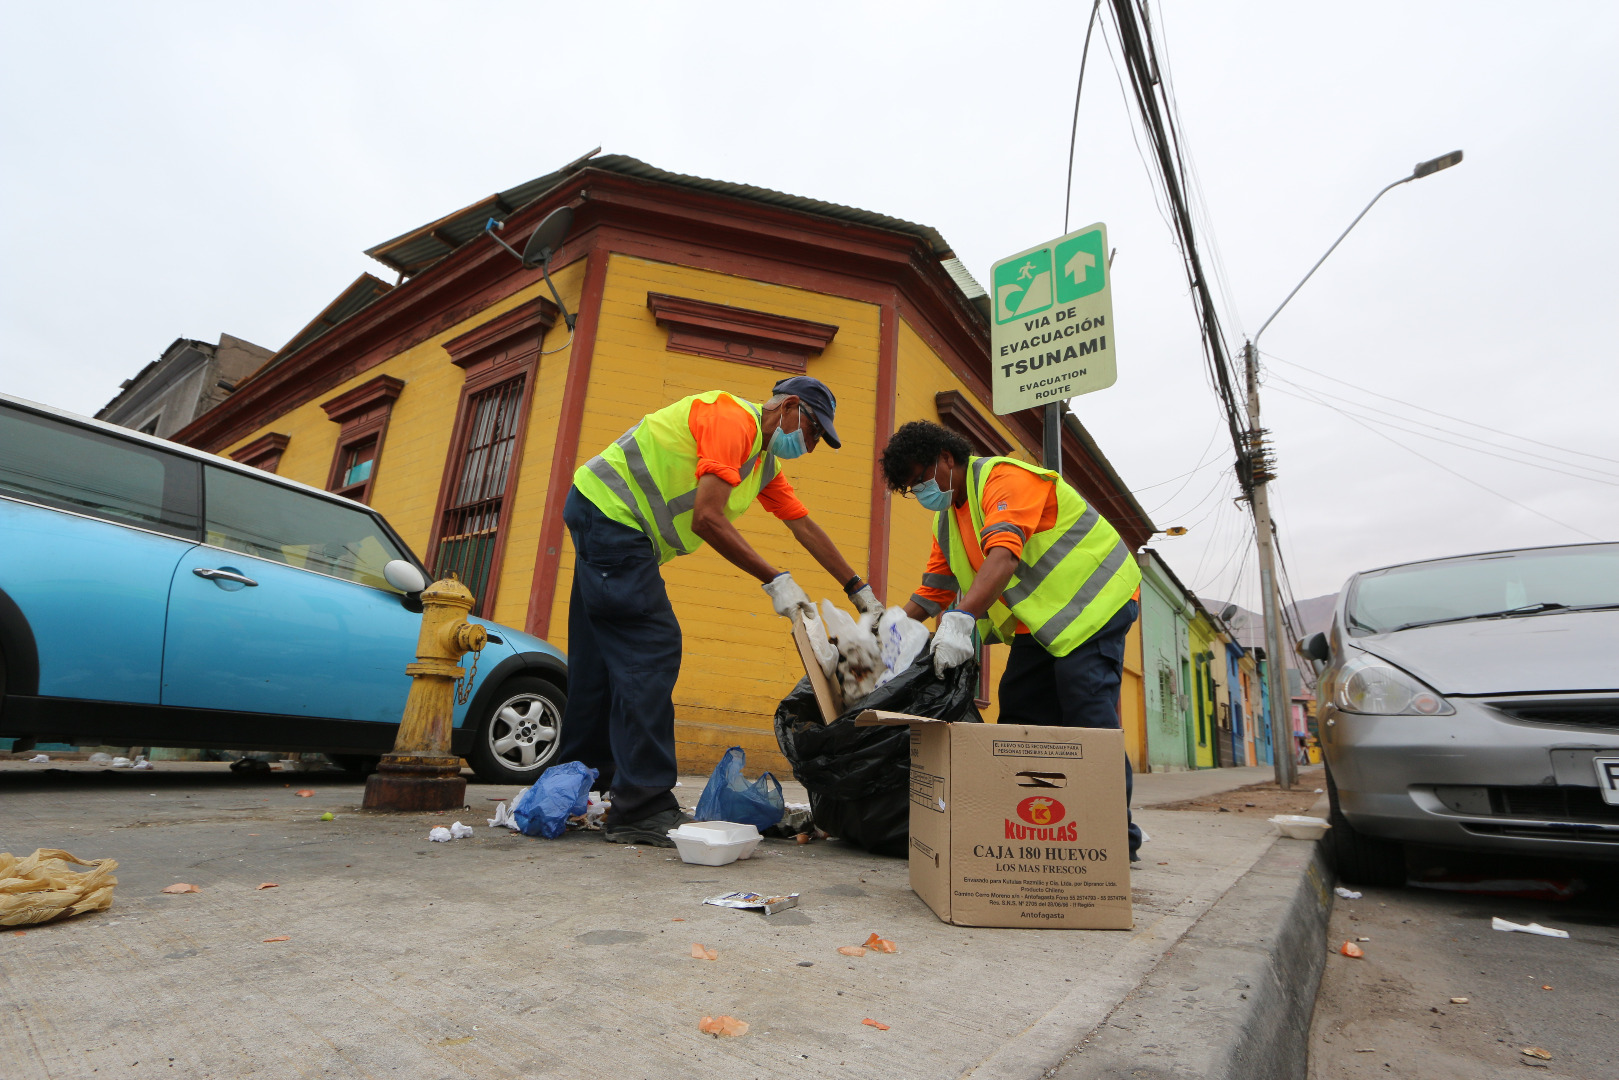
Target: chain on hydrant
(423,772)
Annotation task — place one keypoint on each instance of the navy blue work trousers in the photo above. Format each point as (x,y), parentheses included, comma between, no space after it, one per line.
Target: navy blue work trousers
(1077,690)
(623,659)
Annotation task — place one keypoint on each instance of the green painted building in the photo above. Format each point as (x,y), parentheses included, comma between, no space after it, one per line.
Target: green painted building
(1167,612)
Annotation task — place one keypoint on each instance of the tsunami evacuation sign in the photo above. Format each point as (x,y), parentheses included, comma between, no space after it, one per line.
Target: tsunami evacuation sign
(1051,334)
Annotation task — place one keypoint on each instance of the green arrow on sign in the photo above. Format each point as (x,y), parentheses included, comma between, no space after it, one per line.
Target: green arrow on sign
(1084,266)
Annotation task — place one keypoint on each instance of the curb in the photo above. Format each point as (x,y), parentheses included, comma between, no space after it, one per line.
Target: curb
(1233,999)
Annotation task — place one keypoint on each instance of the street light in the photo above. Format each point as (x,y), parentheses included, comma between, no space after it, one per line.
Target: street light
(1259,475)
(1426,168)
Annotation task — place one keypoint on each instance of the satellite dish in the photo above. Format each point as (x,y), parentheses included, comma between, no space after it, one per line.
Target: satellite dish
(544,241)
(1229,613)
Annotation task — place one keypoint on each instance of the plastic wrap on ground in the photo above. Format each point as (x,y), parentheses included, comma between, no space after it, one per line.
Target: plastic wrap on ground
(44,886)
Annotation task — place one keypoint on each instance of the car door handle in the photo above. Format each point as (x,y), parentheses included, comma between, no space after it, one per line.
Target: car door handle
(224,575)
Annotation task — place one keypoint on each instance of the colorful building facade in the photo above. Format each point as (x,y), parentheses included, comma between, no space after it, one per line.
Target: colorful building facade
(459,402)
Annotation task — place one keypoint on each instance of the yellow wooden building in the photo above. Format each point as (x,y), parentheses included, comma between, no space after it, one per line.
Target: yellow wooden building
(457,401)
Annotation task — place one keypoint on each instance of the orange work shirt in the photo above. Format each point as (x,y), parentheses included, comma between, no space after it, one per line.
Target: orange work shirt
(1017,504)
(725,432)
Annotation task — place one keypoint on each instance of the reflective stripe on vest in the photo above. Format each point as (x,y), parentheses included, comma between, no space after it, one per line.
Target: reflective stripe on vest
(650,472)
(1070,579)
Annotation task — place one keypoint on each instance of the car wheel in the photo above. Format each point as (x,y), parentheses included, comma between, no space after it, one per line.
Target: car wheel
(1360,859)
(361,765)
(519,735)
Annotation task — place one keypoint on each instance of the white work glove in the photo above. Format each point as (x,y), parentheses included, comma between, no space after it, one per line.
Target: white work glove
(786,597)
(953,641)
(865,601)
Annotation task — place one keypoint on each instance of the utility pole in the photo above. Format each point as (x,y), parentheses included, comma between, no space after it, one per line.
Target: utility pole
(1281,699)
(1051,438)
(1256,465)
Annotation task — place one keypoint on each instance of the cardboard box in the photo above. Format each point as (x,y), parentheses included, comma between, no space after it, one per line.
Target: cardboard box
(1018,826)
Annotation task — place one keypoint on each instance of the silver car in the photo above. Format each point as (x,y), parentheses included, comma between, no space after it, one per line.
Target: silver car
(1473,703)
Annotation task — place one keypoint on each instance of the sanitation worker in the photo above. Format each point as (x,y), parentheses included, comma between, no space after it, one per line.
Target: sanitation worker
(1019,557)
(675,480)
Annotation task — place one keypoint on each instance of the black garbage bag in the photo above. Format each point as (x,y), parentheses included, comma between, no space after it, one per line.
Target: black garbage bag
(859,778)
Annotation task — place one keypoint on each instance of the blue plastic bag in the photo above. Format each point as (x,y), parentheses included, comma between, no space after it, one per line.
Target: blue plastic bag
(728,797)
(561,792)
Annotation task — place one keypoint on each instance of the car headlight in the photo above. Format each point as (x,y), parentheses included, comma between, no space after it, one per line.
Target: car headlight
(1369,685)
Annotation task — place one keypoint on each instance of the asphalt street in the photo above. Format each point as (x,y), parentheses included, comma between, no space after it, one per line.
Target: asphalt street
(1390,1013)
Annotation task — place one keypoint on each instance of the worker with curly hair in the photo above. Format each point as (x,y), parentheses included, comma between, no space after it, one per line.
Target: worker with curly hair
(1019,557)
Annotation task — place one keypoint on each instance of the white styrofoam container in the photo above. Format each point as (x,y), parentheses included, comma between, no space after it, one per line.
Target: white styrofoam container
(714,843)
(1300,827)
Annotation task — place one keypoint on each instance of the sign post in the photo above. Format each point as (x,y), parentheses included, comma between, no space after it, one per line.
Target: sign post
(1051,332)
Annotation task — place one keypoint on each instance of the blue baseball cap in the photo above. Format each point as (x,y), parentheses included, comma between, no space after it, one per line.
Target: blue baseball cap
(817,399)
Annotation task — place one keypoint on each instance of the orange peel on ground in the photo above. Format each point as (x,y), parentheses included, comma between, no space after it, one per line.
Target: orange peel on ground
(852,950)
(728,1026)
(180,887)
(703,952)
(1353,951)
(267,885)
(869,1022)
(270,939)
(880,944)
(305,793)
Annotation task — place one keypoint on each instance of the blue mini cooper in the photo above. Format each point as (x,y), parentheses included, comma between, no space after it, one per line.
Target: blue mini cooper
(154,595)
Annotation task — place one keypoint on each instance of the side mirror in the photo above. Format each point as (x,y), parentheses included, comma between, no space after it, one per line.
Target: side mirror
(1318,649)
(404,576)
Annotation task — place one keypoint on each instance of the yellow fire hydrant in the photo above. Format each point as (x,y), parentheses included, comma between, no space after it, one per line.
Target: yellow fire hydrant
(423,773)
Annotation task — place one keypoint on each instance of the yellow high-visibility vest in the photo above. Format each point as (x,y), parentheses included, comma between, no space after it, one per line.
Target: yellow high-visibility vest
(647,479)
(1070,579)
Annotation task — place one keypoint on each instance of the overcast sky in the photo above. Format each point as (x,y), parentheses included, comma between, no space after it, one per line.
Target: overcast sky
(178,170)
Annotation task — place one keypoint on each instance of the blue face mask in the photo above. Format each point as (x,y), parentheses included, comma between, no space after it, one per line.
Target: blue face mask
(789,444)
(932,496)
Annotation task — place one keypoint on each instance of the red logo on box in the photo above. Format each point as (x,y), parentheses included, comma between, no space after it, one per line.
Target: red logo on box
(1040,810)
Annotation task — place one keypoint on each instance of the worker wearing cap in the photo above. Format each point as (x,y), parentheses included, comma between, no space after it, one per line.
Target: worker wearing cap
(674,481)
(1019,557)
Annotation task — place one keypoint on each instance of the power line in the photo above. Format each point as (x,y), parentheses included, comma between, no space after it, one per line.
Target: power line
(1201,464)
(1218,480)
(1073,135)
(1199,203)
(1141,154)
(1158,121)
(1315,394)
(1460,476)
(1214,578)
(1216,541)
(1314,400)
(1435,412)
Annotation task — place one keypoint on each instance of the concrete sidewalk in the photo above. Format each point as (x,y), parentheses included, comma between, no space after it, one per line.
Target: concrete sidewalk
(505,956)
(1156,789)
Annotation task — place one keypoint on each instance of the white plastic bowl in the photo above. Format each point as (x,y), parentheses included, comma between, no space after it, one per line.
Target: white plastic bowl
(1300,827)
(714,843)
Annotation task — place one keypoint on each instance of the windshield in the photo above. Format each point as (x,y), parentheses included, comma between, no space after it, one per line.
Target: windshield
(1526,582)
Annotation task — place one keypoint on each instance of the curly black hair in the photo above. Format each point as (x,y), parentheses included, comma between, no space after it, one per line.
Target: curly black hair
(919,443)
